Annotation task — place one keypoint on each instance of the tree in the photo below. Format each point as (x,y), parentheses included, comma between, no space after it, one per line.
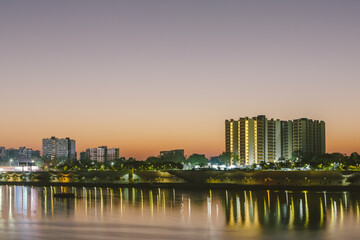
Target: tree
(198,159)
(354,159)
(225,158)
(153,160)
(215,160)
(176,157)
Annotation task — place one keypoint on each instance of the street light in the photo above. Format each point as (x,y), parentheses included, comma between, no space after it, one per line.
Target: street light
(32,164)
(10,161)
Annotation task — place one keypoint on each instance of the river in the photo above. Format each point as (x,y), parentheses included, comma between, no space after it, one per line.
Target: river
(155,213)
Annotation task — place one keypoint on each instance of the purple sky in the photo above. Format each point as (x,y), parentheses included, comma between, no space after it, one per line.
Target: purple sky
(154,75)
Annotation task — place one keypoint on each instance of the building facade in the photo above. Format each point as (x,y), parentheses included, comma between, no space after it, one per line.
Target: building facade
(258,139)
(22,154)
(309,135)
(59,148)
(113,154)
(101,154)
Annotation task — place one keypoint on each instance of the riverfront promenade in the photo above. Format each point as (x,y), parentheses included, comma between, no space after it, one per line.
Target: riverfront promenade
(181,178)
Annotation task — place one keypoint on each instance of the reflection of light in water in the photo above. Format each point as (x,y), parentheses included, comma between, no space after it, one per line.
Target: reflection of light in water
(75,199)
(333,212)
(241,211)
(247,209)
(157,203)
(16,200)
(111,200)
(256,213)
(306,209)
(278,209)
(163,201)
(151,203)
(287,198)
(238,208)
(133,196)
(209,205)
(189,208)
(25,200)
(251,207)
(345,200)
(182,210)
(174,195)
(85,198)
(95,202)
(142,202)
(325,199)
(10,203)
(52,200)
(231,213)
(341,213)
(321,213)
(45,202)
(357,211)
(268,197)
(265,212)
(292,213)
(121,202)
(101,203)
(301,210)
(34,200)
(90,199)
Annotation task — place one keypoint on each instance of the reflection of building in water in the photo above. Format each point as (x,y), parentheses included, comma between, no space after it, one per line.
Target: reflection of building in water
(291,209)
(243,209)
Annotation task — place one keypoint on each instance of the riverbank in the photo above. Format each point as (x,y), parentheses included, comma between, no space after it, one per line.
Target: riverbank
(290,180)
(224,186)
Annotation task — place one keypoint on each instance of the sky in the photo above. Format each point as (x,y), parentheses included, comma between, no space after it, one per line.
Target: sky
(153,75)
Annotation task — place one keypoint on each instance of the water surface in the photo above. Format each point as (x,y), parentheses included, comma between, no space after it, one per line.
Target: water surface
(134,213)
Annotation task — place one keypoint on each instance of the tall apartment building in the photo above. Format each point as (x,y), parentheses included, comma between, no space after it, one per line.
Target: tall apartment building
(257,139)
(101,154)
(309,135)
(286,139)
(59,148)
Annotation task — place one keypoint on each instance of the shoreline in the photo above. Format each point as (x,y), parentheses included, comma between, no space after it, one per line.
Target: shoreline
(189,186)
(192,179)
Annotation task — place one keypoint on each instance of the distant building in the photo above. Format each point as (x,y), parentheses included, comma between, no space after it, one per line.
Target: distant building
(22,155)
(83,156)
(172,152)
(2,152)
(59,148)
(28,153)
(101,154)
(176,155)
(113,154)
(258,139)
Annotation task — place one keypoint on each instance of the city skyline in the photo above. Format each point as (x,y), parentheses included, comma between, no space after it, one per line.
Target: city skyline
(260,139)
(165,75)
